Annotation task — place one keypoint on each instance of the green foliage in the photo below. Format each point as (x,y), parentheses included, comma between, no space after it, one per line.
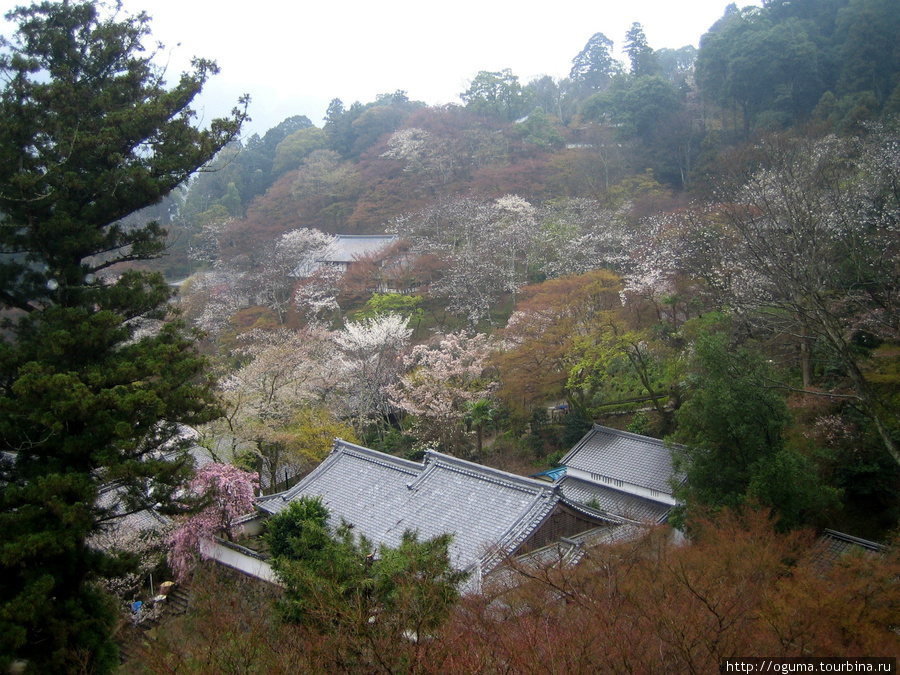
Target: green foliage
(351,131)
(539,432)
(338,582)
(496,94)
(732,428)
(93,383)
(297,147)
(609,364)
(644,61)
(789,482)
(595,66)
(300,531)
(731,421)
(481,414)
(539,131)
(415,584)
(575,426)
(639,424)
(381,304)
(775,63)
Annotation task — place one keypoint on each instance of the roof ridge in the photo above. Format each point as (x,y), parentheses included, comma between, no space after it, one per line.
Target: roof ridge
(569,478)
(613,518)
(849,538)
(627,434)
(487,473)
(375,456)
(516,534)
(342,447)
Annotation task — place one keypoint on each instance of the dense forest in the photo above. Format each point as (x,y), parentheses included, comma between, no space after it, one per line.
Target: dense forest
(699,244)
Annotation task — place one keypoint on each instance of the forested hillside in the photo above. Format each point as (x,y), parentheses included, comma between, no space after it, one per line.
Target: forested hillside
(823,66)
(696,244)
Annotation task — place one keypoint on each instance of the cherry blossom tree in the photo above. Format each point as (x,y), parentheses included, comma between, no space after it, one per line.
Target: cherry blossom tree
(483,244)
(210,298)
(316,296)
(225,493)
(493,247)
(514,231)
(144,547)
(284,372)
(420,155)
(579,235)
(206,246)
(292,254)
(442,379)
(816,222)
(369,361)
(683,259)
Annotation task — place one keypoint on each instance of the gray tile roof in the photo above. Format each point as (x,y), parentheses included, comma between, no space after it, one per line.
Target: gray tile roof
(489,512)
(613,501)
(566,552)
(832,546)
(112,496)
(620,455)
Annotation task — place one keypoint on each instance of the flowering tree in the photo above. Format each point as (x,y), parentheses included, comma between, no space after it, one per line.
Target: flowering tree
(441,381)
(816,225)
(476,240)
(491,248)
(145,548)
(210,298)
(369,361)
(580,235)
(316,296)
(414,149)
(284,372)
(206,246)
(292,254)
(225,493)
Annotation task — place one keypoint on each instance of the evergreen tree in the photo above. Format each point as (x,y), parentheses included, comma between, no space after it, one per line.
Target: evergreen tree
(367,599)
(595,66)
(94,380)
(735,448)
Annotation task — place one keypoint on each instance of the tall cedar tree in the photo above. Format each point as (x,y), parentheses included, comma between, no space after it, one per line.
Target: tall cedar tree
(94,380)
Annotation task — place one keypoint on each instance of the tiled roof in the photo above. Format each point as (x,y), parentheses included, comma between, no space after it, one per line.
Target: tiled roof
(832,546)
(489,512)
(620,455)
(613,501)
(566,552)
(112,495)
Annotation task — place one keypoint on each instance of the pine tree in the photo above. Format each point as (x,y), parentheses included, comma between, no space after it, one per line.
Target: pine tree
(95,376)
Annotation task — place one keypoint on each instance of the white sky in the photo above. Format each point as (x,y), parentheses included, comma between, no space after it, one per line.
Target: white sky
(294,57)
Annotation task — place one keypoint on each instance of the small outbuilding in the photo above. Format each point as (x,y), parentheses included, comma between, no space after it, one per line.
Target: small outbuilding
(622,474)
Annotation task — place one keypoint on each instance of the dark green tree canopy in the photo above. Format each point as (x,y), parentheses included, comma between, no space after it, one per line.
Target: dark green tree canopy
(90,134)
(777,62)
(95,383)
(732,428)
(595,65)
(496,94)
(644,61)
(336,581)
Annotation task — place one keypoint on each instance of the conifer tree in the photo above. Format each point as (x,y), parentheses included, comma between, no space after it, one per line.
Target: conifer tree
(95,376)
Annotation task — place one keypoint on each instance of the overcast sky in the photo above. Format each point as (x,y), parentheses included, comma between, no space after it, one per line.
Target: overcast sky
(295,57)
